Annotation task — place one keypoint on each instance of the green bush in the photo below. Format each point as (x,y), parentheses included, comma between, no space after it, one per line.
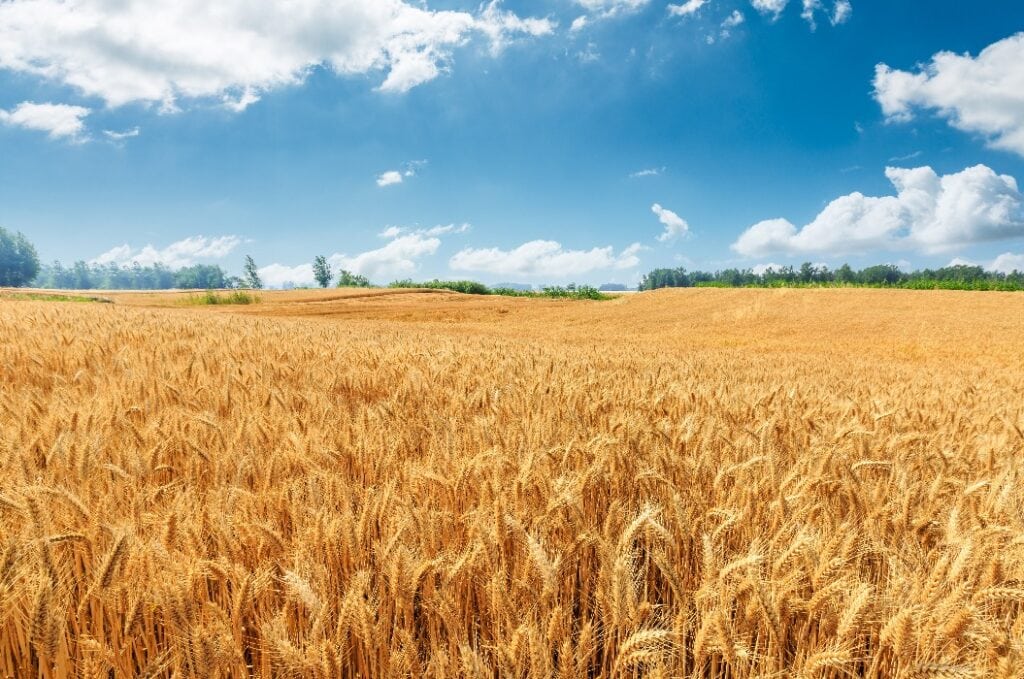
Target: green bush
(213,298)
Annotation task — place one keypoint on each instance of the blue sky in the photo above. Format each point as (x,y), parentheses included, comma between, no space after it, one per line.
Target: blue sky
(535,141)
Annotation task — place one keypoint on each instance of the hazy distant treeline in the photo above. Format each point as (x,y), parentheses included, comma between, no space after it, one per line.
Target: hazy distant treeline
(959,277)
(83,276)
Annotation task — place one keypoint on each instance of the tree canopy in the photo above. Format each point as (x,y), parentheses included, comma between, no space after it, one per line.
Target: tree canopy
(19,262)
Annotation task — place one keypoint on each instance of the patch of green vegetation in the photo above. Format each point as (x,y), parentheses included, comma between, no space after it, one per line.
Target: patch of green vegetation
(214,298)
(571,291)
(51,297)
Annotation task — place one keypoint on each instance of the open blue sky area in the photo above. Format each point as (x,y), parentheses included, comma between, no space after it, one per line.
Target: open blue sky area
(530,141)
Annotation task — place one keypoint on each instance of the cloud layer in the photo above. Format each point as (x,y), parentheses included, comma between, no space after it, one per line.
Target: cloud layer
(184,252)
(544,259)
(982,95)
(929,212)
(162,51)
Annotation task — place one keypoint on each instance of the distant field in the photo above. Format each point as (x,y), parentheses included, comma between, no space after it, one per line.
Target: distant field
(393,483)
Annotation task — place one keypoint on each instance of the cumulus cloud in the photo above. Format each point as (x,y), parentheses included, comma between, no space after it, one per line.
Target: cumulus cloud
(929,212)
(981,95)
(163,51)
(389,178)
(1008,262)
(687,8)
(675,226)
(544,258)
(185,252)
(392,177)
(280,276)
(399,257)
(770,7)
(59,121)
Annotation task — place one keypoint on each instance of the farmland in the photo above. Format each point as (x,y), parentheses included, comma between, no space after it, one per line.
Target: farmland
(391,483)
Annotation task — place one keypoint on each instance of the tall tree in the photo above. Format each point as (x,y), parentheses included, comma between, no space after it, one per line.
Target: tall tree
(322,271)
(19,262)
(251,275)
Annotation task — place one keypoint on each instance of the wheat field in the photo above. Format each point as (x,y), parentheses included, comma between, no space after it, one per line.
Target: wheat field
(695,483)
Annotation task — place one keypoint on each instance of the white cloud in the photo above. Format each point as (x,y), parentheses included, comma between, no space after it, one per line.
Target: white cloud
(439,230)
(930,212)
(389,178)
(905,158)
(649,172)
(589,55)
(960,261)
(163,51)
(734,19)
(675,226)
(185,252)
(762,269)
(810,7)
(731,22)
(579,23)
(982,95)
(391,232)
(772,7)
(607,8)
(120,136)
(398,258)
(59,121)
(1007,262)
(687,8)
(841,12)
(545,259)
(392,177)
(279,275)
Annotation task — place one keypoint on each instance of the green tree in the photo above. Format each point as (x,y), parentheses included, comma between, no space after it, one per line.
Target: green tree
(347,279)
(322,271)
(19,262)
(251,275)
(845,274)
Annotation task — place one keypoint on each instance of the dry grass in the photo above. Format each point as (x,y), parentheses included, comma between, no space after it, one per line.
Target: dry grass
(702,483)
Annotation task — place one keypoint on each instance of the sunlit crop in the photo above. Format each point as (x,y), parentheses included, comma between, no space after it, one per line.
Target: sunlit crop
(699,483)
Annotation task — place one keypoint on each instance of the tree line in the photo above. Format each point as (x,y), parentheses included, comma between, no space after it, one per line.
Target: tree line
(20,266)
(957,277)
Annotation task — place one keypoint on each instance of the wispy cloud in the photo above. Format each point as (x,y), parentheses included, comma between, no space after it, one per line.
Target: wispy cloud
(649,172)
(439,230)
(687,8)
(121,136)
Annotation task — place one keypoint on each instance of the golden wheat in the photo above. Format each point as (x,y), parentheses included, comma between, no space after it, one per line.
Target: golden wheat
(701,483)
